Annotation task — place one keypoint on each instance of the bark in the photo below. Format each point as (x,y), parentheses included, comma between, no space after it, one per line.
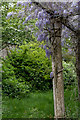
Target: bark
(78,71)
(58,85)
(78,64)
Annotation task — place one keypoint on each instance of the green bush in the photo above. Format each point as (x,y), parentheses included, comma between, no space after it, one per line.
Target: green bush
(27,65)
(12,86)
(27,68)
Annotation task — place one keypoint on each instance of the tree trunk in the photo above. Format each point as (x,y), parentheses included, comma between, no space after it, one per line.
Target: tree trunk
(78,71)
(78,65)
(58,86)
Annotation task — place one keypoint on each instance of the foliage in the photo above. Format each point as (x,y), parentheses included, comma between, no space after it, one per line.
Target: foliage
(68,52)
(15,88)
(12,86)
(69,74)
(13,31)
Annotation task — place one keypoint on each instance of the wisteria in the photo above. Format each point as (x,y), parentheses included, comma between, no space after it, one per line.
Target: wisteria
(10,14)
(19,3)
(62,9)
(51,75)
(27,18)
(48,53)
(44,47)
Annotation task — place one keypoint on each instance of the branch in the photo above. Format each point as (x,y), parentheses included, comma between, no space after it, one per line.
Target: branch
(39,5)
(66,23)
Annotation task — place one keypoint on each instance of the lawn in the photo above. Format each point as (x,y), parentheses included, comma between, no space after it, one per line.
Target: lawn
(39,105)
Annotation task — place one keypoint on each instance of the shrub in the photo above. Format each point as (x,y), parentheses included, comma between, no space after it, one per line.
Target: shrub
(11,85)
(27,68)
(14,88)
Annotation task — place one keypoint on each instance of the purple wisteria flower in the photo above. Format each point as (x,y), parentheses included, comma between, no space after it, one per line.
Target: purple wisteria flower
(9,15)
(48,53)
(19,3)
(44,47)
(51,75)
(40,14)
(40,37)
(27,18)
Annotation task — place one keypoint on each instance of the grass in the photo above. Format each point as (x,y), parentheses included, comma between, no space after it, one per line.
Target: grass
(71,102)
(39,105)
